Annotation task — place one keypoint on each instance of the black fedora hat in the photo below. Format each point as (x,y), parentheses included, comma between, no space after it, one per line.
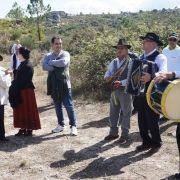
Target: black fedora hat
(122,42)
(153,37)
(1,58)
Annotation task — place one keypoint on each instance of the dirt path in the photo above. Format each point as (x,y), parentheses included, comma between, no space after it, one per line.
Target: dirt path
(60,156)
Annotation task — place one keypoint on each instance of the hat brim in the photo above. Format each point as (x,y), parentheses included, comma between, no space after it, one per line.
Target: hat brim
(158,42)
(173,37)
(126,45)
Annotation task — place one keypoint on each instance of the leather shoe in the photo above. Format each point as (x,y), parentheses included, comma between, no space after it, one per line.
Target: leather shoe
(21,132)
(143,147)
(111,137)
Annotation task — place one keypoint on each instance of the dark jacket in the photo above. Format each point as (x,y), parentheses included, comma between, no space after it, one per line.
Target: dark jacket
(57,83)
(23,80)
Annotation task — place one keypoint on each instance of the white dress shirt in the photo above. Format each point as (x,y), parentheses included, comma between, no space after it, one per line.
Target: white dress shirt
(160,60)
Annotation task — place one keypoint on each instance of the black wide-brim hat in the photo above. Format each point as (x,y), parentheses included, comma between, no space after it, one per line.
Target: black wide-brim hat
(122,42)
(153,37)
(1,58)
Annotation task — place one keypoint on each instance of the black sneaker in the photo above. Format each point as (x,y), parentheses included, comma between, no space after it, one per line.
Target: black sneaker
(143,147)
(123,139)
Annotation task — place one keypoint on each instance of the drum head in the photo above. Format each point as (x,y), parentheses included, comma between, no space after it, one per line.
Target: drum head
(171,101)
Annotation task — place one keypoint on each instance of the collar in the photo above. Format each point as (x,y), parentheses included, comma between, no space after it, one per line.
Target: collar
(146,55)
(177,47)
(58,53)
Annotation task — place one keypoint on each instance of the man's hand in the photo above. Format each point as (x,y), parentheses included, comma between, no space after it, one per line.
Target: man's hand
(116,84)
(145,78)
(8,71)
(163,76)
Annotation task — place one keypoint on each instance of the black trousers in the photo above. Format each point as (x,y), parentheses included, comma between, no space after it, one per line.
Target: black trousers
(2,130)
(148,122)
(178,136)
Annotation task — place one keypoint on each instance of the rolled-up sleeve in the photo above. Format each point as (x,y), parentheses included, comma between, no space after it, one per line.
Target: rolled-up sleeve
(109,71)
(61,61)
(45,64)
(161,62)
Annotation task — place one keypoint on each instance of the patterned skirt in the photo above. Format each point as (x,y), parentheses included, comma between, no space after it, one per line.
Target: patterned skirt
(26,115)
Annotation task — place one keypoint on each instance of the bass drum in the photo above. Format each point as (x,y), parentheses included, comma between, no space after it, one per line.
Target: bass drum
(164,98)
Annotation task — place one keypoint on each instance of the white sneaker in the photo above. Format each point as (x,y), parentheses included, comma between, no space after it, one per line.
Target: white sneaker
(58,129)
(73,131)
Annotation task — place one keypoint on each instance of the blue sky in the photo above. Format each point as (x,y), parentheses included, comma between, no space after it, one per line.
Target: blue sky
(95,6)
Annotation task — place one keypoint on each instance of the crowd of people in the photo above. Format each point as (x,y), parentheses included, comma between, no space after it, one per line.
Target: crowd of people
(17,86)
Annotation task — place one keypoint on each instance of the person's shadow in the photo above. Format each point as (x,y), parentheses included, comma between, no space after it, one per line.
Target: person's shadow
(45,108)
(172,177)
(93,151)
(96,124)
(16,143)
(100,167)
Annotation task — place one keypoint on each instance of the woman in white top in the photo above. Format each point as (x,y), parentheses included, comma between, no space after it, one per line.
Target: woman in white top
(5,82)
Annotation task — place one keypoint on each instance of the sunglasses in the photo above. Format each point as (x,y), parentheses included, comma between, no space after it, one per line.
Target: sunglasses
(172,39)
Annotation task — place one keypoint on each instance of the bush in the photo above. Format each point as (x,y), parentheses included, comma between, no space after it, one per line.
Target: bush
(15,34)
(29,42)
(93,64)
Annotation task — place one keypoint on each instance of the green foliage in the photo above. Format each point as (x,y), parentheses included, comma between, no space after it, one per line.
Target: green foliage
(29,42)
(89,39)
(36,8)
(15,34)
(16,12)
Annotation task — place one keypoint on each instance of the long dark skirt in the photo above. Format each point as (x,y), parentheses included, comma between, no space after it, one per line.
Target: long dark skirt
(26,115)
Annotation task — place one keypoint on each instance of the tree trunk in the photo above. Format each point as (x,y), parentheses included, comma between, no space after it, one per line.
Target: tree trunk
(38,28)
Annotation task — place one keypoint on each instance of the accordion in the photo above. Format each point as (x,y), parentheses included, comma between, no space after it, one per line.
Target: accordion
(136,69)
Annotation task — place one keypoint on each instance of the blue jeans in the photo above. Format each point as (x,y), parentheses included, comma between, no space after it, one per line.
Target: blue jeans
(68,104)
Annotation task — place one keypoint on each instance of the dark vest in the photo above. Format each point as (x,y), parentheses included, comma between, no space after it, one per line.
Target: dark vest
(152,68)
(14,65)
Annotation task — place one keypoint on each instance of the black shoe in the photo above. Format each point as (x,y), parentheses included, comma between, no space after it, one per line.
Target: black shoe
(177,175)
(156,147)
(111,137)
(143,147)
(28,133)
(124,139)
(4,139)
(21,132)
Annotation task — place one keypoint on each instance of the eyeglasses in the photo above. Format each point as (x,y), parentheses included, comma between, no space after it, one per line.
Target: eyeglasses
(172,39)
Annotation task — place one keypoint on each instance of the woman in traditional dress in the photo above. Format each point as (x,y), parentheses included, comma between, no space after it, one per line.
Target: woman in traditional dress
(22,97)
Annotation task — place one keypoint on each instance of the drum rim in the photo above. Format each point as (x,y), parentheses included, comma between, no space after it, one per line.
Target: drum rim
(148,96)
(164,97)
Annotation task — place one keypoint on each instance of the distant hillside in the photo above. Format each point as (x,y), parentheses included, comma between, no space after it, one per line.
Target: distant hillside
(89,39)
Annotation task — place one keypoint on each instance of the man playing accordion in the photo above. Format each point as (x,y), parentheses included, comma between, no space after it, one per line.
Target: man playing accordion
(147,118)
